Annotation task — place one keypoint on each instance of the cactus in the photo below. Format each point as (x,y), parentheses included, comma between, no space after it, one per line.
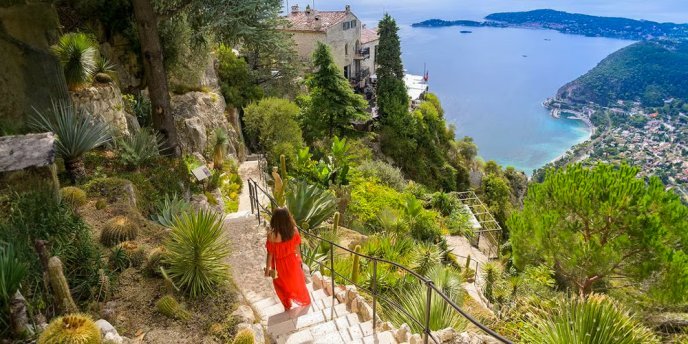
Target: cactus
(468,262)
(73,196)
(356,267)
(335,222)
(154,261)
(244,336)
(278,189)
(101,204)
(103,285)
(169,307)
(71,329)
(60,287)
(118,229)
(283,171)
(135,254)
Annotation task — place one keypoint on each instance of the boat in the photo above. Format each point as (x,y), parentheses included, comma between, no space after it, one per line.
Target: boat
(524,55)
(465,31)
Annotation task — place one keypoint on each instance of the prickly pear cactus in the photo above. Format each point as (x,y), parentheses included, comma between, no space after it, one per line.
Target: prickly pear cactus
(71,329)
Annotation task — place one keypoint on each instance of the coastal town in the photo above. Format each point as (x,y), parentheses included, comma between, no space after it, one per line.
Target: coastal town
(655,139)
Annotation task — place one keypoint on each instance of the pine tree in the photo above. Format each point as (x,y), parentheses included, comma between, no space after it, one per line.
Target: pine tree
(333,104)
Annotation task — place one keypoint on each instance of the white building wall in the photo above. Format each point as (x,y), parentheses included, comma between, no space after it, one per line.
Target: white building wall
(344,42)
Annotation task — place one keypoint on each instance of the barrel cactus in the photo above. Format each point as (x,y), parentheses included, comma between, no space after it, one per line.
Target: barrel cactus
(71,329)
(73,196)
(154,261)
(134,252)
(169,307)
(117,230)
(244,336)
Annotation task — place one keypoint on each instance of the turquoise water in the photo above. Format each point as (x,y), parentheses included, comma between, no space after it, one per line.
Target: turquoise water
(489,90)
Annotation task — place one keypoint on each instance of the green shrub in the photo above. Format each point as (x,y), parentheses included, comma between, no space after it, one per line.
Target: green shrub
(12,272)
(77,133)
(596,319)
(37,215)
(309,204)
(385,173)
(368,199)
(139,148)
(273,123)
(197,252)
(244,336)
(78,56)
(168,208)
(444,202)
(73,195)
(71,329)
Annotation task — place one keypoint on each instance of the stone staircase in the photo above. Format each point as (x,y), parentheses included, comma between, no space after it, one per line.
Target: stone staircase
(317,323)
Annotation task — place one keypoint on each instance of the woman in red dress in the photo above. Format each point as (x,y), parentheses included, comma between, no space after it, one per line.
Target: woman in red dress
(284,257)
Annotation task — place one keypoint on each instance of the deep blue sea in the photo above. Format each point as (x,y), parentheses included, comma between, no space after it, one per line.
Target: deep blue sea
(492,81)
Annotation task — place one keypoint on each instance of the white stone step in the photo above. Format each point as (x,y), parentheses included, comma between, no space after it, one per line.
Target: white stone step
(380,338)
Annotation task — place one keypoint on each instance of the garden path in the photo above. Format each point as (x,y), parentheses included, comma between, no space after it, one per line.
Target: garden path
(462,248)
(312,324)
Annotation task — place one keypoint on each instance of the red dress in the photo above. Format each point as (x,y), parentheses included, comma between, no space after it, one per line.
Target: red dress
(290,284)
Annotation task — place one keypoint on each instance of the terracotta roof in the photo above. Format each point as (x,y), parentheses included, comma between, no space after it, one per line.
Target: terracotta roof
(369,35)
(300,21)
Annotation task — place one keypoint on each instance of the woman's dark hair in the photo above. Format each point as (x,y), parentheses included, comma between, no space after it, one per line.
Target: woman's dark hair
(283,223)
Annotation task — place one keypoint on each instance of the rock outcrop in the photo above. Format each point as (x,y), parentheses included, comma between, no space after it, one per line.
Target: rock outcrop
(105,102)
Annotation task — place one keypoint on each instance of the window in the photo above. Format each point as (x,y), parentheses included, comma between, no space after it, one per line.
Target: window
(353,24)
(346,49)
(346,25)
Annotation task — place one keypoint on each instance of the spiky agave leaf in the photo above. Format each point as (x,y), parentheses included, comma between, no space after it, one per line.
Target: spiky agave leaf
(78,56)
(196,252)
(309,204)
(592,320)
(12,272)
(77,132)
(140,147)
(168,208)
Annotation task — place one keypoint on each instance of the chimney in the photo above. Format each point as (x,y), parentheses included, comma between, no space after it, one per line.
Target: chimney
(295,9)
(308,10)
(347,8)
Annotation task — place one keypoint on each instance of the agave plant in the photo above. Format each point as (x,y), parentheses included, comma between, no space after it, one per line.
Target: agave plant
(77,133)
(220,141)
(169,208)
(309,204)
(103,65)
(78,56)
(425,257)
(413,300)
(196,253)
(139,148)
(593,320)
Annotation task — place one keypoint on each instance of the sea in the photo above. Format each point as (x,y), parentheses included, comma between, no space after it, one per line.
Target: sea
(492,81)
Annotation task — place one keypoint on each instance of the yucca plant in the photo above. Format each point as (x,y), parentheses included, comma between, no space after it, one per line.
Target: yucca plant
(169,208)
(196,252)
(220,141)
(425,257)
(103,65)
(592,320)
(139,148)
(414,299)
(78,56)
(309,204)
(77,133)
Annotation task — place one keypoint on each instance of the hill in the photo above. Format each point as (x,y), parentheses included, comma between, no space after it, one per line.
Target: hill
(648,71)
(572,23)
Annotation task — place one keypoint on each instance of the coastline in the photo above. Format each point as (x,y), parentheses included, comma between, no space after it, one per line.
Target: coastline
(556,114)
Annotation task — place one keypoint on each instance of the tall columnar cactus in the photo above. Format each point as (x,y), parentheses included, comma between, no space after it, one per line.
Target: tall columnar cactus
(283,171)
(335,222)
(60,287)
(278,189)
(468,262)
(117,230)
(103,285)
(356,267)
(71,329)
(169,307)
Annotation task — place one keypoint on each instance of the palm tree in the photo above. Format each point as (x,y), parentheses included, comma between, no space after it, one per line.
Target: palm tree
(77,133)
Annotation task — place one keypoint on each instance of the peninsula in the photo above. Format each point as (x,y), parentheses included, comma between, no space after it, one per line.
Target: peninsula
(572,23)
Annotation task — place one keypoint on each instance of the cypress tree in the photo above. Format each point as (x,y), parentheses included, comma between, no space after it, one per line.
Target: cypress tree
(333,103)
(391,92)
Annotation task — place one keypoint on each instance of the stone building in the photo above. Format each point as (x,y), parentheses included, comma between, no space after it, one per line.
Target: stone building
(341,30)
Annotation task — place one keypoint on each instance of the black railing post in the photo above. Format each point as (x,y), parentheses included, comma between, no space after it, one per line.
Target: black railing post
(428,301)
(250,195)
(374,294)
(334,297)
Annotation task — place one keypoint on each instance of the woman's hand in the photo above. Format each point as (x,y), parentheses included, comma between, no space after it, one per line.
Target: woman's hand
(266,271)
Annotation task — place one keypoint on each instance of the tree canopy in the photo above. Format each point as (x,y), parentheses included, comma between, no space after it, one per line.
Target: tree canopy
(600,226)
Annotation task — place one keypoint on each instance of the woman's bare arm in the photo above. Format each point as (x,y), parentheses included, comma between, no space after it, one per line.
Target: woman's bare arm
(267,264)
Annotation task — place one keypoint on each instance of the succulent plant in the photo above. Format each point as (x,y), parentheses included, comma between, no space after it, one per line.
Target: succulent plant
(60,287)
(101,204)
(244,336)
(103,291)
(335,222)
(77,53)
(169,307)
(73,196)
(356,267)
(118,259)
(117,230)
(134,253)
(154,260)
(71,329)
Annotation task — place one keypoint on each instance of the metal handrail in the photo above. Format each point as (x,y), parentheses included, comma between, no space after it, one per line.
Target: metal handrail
(254,188)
